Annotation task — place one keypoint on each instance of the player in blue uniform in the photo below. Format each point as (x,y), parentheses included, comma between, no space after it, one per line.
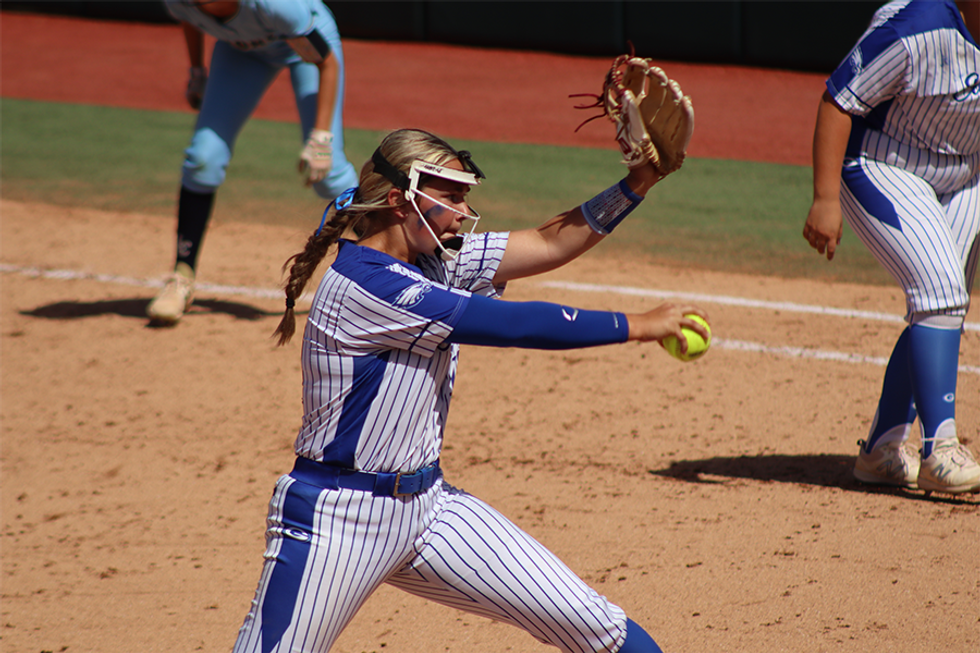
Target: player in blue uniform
(897,153)
(256,39)
(365,503)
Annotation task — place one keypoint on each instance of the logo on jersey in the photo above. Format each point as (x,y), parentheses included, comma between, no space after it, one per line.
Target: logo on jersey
(412,295)
(972,83)
(569,314)
(949,398)
(857,61)
(245,46)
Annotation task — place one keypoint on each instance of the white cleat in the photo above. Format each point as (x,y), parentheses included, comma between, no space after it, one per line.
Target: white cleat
(892,463)
(951,468)
(175,298)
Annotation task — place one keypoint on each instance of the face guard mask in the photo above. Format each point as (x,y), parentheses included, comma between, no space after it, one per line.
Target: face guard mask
(449,249)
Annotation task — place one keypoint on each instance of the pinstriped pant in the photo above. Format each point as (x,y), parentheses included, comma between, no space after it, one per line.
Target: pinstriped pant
(918,212)
(328,550)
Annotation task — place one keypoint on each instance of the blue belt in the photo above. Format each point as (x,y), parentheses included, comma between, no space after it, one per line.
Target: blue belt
(380,484)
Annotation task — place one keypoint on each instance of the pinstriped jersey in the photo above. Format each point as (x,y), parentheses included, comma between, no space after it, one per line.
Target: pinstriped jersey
(915,76)
(377,372)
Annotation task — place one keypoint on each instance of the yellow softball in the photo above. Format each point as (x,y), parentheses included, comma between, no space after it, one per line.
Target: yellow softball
(696,345)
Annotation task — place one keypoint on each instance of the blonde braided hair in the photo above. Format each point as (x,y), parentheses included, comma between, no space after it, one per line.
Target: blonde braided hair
(365,214)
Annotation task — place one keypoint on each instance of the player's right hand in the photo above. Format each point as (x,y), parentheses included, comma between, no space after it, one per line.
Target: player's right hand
(196,83)
(666,320)
(824,227)
(316,158)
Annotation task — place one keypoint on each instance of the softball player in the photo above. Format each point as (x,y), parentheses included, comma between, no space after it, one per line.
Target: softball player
(365,503)
(897,153)
(256,39)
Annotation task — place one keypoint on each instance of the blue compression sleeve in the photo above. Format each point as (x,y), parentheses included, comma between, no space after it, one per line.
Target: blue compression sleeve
(638,640)
(934,356)
(536,325)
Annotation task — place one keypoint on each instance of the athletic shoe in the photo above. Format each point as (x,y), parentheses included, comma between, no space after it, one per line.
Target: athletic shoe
(891,463)
(951,468)
(175,298)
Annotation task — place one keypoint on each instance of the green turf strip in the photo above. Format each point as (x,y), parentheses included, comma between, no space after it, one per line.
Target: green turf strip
(714,214)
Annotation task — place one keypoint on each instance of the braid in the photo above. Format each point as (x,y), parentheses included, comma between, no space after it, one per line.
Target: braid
(303,265)
(366,211)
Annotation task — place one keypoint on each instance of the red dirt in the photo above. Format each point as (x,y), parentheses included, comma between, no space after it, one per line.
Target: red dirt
(482,94)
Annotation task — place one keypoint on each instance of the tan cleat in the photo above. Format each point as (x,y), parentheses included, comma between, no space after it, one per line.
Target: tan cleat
(951,468)
(892,463)
(175,298)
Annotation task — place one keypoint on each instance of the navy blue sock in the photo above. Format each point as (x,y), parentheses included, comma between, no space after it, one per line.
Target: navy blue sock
(934,355)
(193,213)
(895,406)
(637,640)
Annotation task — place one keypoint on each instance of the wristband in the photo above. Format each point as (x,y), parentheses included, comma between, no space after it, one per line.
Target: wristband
(607,209)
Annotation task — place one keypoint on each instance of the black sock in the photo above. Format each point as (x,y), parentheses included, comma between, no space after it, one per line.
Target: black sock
(193,213)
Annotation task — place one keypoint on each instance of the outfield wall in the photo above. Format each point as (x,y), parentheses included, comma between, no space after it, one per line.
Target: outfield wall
(794,35)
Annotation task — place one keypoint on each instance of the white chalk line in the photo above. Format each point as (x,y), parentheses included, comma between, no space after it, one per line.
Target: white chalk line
(738,345)
(788,307)
(76,275)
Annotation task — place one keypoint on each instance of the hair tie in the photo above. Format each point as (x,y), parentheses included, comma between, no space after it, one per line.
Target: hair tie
(342,201)
(290,303)
(346,198)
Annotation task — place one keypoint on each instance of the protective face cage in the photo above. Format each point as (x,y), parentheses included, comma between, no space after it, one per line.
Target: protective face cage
(470,176)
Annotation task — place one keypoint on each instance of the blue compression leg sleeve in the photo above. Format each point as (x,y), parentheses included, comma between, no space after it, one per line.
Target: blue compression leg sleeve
(934,355)
(895,406)
(638,640)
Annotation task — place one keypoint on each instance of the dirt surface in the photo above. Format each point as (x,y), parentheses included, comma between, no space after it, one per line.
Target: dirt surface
(712,500)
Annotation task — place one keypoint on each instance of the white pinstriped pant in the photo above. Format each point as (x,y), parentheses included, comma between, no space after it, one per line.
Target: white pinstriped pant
(328,550)
(918,213)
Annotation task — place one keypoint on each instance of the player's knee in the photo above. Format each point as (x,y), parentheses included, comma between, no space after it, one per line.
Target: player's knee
(205,162)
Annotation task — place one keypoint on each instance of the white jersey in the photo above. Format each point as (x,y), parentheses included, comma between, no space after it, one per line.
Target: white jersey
(377,372)
(915,76)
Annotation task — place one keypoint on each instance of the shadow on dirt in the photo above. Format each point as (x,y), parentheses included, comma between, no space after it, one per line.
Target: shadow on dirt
(827,470)
(136,308)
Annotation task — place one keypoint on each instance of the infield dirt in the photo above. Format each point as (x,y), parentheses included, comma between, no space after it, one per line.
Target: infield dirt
(712,500)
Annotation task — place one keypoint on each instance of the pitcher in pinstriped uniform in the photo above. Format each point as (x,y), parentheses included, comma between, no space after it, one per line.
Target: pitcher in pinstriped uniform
(365,503)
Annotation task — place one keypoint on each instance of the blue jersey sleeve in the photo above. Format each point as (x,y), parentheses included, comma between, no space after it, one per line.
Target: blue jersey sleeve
(536,325)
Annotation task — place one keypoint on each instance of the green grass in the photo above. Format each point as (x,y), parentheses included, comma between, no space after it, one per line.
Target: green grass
(713,214)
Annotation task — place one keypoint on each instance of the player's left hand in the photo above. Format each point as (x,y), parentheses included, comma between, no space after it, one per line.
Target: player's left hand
(654,119)
(824,227)
(316,159)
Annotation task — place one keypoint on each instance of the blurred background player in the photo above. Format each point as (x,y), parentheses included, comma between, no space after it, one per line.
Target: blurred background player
(365,503)
(256,39)
(897,152)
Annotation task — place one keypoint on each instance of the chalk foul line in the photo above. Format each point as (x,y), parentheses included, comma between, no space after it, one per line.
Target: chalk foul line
(788,307)
(737,345)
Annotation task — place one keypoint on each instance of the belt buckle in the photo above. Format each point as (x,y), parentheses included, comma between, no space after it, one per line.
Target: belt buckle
(396,491)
